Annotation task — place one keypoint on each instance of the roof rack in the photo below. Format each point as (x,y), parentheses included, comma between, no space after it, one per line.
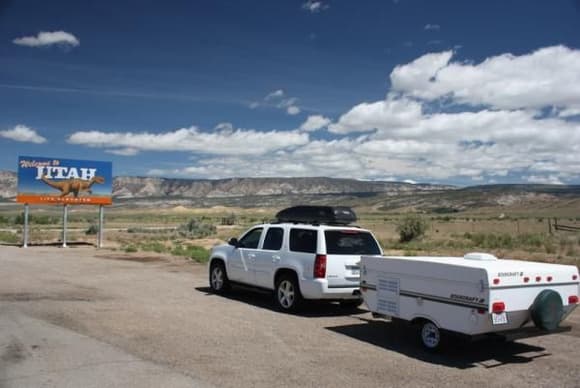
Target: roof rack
(317,215)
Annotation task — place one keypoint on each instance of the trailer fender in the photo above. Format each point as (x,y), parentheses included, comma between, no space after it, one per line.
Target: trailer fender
(419,319)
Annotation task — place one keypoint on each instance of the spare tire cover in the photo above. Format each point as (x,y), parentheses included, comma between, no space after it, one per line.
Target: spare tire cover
(547,310)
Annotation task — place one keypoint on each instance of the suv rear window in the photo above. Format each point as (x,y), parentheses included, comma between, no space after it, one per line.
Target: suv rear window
(350,242)
(303,240)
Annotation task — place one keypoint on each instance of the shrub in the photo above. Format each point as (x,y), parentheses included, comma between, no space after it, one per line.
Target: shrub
(196,229)
(92,229)
(411,227)
(131,249)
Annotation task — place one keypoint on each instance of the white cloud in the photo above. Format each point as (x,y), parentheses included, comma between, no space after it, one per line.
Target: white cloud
(314,123)
(23,133)
(432,27)
(229,142)
(416,78)
(544,179)
(225,128)
(124,151)
(544,78)
(314,6)
(48,39)
(274,95)
(386,114)
(569,112)
(292,110)
(280,100)
(287,102)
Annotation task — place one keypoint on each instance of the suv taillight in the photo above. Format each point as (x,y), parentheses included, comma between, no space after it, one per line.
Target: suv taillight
(320,266)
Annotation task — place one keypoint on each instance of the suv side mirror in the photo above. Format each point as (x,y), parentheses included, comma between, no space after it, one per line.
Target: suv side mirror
(234,242)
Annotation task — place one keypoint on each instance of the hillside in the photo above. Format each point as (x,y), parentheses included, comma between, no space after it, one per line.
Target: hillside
(128,188)
(277,192)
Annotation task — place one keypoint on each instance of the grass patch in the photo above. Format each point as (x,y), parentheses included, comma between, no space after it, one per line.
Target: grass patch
(154,246)
(194,252)
(130,249)
(9,237)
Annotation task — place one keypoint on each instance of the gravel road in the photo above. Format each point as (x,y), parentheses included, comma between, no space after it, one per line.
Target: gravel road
(84,317)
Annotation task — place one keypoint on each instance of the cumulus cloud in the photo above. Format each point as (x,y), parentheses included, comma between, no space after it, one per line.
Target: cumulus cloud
(23,133)
(314,123)
(220,142)
(547,77)
(383,115)
(314,6)
(48,39)
(432,27)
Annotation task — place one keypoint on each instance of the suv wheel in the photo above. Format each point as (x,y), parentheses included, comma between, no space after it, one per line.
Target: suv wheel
(287,293)
(218,278)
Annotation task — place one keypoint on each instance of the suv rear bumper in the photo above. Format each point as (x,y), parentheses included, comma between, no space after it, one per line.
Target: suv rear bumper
(319,289)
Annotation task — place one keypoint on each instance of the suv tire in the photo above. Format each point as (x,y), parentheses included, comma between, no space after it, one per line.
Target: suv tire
(287,293)
(218,278)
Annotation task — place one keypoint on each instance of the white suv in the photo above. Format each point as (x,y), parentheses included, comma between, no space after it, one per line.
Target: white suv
(298,260)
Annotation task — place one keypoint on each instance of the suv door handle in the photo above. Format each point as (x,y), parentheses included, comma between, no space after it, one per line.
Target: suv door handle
(275,258)
(251,255)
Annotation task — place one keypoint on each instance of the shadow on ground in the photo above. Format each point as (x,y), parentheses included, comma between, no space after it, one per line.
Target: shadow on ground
(458,353)
(264,299)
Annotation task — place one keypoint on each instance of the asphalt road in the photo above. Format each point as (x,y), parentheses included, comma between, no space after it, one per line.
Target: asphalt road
(81,317)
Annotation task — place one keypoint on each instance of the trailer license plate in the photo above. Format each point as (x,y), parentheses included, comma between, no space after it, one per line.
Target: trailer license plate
(499,319)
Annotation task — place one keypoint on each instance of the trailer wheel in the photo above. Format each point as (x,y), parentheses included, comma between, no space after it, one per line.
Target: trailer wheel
(547,310)
(430,336)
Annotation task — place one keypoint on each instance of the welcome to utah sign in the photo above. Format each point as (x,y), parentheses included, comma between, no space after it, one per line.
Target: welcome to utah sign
(44,180)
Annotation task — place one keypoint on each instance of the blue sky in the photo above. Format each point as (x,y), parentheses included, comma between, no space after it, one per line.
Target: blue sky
(453,92)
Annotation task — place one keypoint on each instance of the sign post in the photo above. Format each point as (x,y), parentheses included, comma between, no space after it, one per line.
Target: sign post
(25,234)
(100,235)
(64,224)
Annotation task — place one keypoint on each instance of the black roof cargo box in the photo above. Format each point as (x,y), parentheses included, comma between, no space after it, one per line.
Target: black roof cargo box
(332,215)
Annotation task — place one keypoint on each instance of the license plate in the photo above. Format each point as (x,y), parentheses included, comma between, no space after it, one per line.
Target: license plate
(355,272)
(499,319)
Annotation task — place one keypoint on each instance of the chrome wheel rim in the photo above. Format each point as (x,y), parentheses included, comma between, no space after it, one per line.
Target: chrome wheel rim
(217,278)
(286,294)
(430,335)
